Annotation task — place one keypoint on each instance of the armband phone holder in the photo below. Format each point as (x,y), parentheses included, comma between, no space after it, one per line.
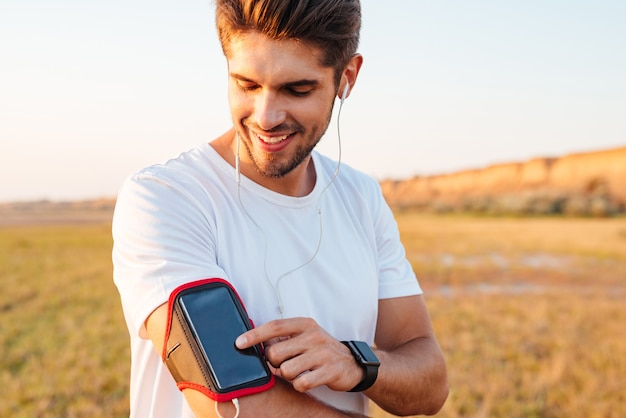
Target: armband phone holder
(204,319)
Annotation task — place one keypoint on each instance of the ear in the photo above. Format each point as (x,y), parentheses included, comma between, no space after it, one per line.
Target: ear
(349,76)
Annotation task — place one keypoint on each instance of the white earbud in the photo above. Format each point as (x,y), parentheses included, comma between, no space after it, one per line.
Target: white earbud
(345,92)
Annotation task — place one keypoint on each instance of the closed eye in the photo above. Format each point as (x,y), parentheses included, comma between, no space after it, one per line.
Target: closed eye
(299,91)
(247,85)
(301,88)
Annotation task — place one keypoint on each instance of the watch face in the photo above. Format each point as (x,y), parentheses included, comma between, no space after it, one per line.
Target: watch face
(368,356)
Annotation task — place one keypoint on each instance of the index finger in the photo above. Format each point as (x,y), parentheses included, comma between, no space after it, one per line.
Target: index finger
(270,330)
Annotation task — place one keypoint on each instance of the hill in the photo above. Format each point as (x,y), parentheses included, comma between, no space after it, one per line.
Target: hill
(592,183)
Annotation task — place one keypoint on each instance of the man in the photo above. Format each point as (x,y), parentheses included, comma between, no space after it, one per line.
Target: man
(312,249)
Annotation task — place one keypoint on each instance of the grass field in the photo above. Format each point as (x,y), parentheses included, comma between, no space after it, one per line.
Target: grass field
(531,314)
(65,347)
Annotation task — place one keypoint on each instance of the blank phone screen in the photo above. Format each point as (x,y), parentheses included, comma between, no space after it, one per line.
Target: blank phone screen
(217,323)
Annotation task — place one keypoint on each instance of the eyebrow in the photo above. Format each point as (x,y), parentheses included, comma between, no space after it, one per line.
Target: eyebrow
(297,83)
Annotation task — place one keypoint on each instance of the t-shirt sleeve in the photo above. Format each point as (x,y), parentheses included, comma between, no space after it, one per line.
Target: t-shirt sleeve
(396,276)
(162,239)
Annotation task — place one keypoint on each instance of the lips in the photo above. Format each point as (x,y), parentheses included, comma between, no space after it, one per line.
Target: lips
(273,143)
(272,139)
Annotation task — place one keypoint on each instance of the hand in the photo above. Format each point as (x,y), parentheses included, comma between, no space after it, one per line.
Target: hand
(303,353)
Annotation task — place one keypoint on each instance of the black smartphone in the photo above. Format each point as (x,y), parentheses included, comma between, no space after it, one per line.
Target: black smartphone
(216,317)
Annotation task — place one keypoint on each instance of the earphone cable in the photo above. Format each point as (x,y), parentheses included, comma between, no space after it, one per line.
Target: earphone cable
(275,286)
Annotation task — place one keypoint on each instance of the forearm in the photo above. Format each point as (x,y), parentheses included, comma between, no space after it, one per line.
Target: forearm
(412,379)
(281,400)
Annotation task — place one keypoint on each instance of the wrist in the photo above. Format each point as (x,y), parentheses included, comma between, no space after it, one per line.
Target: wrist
(367,360)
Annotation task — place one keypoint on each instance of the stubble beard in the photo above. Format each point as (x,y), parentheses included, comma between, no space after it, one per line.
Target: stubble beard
(268,165)
(271,167)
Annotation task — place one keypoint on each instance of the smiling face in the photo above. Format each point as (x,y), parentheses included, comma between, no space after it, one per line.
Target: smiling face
(281,100)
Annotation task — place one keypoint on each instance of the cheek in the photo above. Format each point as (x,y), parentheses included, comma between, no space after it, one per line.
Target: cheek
(234,98)
(238,104)
(313,112)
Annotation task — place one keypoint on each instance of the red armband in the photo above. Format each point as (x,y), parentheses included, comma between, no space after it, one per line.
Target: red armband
(204,319)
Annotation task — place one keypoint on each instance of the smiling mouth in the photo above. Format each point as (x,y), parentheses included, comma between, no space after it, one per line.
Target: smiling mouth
(272,139)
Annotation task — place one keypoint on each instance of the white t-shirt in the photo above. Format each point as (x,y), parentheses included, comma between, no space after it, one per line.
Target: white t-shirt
(183,221)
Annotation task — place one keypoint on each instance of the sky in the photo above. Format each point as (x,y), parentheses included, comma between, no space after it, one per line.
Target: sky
(92,90)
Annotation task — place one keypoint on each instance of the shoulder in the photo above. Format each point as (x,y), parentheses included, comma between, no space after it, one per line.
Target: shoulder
(348,177)
(192,163)
(188,176)
(189,187)
(356,191)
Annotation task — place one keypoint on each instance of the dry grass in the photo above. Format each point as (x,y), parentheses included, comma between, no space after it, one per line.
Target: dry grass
(530,314)
(65,349)
(553,355)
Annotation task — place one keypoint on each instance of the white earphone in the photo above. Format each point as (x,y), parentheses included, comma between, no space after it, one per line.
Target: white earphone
(275,285)
(345,92)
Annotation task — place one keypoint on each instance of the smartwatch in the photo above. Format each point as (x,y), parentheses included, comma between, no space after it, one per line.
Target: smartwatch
(364,355)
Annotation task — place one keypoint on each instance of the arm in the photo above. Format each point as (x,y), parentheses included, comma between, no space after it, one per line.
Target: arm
(281,400)
(412,376)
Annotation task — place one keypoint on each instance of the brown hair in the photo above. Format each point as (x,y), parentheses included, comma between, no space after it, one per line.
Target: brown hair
(333,26)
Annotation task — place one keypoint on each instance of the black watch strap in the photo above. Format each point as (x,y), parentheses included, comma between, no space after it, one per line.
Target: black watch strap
(364,355)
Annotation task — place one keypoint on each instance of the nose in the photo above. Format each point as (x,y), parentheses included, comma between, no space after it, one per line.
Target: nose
(269,110)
